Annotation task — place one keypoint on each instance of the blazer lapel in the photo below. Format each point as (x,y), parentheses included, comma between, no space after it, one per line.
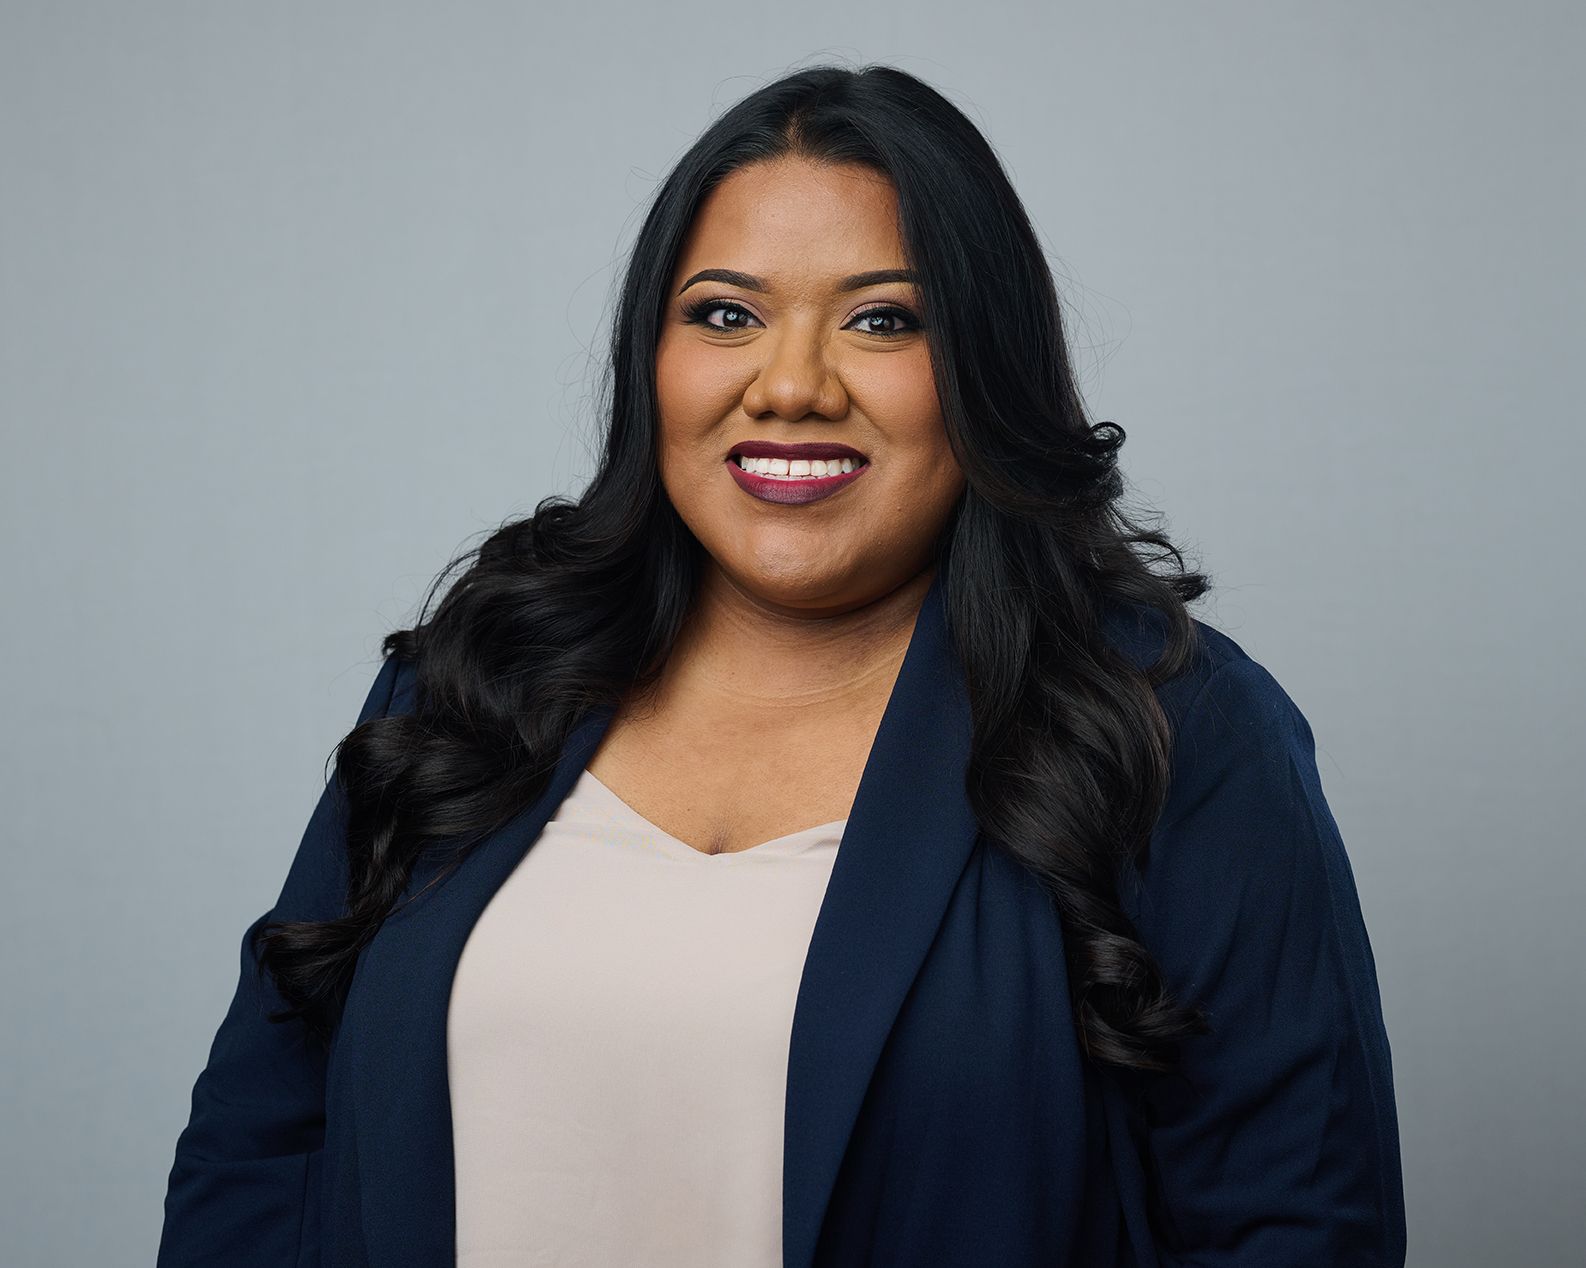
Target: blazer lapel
(395,1029)
(909,834)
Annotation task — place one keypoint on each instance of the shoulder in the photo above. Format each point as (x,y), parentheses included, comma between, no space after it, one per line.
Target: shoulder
(1221,673)
(1241,745)
(1245,831)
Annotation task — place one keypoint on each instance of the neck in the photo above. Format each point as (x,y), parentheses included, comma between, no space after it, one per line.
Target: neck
(746,651)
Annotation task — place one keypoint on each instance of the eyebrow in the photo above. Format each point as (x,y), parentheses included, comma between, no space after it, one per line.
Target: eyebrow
(749,282)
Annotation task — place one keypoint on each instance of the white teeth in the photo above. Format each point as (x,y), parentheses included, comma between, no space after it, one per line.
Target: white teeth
(798,468)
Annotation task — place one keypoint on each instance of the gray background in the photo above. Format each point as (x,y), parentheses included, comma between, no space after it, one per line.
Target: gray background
(298,299)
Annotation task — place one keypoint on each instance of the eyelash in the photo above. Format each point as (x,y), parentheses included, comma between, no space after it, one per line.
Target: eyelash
(694,312)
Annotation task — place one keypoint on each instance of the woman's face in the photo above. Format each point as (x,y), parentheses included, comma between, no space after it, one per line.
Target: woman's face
(769,338)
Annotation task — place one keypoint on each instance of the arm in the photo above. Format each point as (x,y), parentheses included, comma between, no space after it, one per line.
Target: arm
(1276,1143)
(247,1162)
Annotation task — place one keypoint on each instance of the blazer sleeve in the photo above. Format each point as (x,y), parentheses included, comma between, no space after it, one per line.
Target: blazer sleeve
(1276,1143)
(243,1187)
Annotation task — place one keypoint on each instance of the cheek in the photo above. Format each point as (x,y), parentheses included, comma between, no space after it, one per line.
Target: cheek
(692,397)
(913,397)
(916,434)
(900,394)
(692,389)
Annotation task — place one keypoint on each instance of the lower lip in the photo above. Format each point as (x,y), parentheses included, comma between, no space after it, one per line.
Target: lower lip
(798,490)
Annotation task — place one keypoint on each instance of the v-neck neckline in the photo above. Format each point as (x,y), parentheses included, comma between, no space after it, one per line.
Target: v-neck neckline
(787,843)
(908,839)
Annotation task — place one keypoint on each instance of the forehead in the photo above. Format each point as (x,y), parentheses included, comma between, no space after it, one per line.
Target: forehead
(796,223)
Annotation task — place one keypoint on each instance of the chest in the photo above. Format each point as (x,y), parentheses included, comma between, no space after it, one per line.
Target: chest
(724,782)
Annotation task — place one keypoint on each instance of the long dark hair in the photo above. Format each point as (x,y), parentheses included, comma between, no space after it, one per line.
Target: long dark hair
(580,602)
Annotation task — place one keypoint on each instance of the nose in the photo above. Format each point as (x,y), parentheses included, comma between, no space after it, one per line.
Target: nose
(796,379)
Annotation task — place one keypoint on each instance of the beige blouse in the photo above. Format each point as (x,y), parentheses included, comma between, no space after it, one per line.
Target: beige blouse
(617,1040)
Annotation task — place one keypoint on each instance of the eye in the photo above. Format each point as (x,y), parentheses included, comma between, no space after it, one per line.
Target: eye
(697,313)
(887,311)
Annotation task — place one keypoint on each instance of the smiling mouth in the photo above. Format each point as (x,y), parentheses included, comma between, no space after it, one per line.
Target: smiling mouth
(793,474)
(805,460)
(795,468)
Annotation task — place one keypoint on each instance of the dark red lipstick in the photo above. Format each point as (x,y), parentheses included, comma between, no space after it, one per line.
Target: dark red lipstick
(792,489)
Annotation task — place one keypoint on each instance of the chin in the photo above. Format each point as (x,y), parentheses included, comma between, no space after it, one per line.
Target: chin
(790,582)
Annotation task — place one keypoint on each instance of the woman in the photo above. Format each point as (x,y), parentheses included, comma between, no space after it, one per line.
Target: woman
(913,881)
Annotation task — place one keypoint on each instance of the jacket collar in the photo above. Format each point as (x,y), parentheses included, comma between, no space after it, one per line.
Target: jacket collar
(909,834)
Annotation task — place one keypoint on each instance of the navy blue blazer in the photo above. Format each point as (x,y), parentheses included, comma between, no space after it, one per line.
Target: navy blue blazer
(938,1109)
